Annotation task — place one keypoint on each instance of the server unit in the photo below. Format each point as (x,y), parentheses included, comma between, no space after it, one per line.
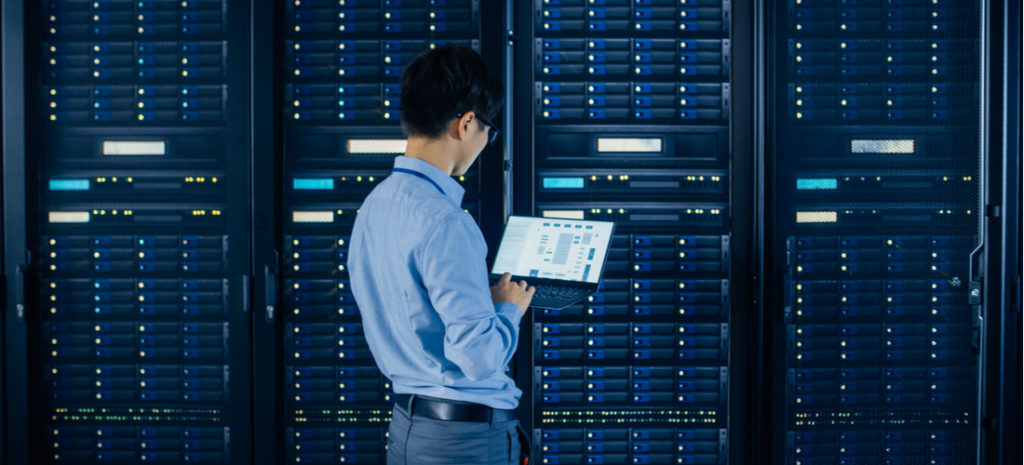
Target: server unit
(875,158)
(131,293)
(629,118)
(341,107)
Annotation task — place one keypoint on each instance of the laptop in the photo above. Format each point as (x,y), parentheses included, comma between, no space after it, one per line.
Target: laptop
(562,258)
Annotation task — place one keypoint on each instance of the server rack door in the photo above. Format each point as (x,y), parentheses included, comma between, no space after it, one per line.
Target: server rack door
(12,391)
(3,417)
(341,110)
(266,190)
(628,114)
(1010,273)
(874,162)
(1001,292)
(135,206)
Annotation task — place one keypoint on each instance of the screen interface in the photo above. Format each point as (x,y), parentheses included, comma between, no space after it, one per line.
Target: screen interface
(553,248)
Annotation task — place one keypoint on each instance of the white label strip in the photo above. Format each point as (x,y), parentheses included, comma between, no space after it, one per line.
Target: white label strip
(898,146)
(361,146)
(313,217)
(134,147)
(69,217)
(567,214)
(629,144)
(816,217)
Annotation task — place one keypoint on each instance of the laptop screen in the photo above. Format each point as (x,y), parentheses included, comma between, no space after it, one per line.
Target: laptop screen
(571,250)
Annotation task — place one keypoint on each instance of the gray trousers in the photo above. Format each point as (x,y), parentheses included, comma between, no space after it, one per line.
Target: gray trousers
(419,440)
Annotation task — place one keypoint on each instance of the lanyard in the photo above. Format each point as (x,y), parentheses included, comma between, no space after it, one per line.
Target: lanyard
(417,173)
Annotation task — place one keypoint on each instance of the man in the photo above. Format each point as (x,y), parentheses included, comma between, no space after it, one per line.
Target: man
(416,262)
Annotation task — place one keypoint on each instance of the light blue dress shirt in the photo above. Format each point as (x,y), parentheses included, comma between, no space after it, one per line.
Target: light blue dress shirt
(417,269)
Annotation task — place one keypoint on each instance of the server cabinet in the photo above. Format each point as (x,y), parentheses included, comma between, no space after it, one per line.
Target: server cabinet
(129,182)
(627,119)
(874,157)
(340,103)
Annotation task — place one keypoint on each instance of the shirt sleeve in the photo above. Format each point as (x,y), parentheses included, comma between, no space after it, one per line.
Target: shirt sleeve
(480,337)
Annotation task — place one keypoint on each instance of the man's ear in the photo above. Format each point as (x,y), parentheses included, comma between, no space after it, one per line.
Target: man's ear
(461,125)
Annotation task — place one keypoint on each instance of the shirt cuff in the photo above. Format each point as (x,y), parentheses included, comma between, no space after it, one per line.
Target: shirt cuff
(510,312)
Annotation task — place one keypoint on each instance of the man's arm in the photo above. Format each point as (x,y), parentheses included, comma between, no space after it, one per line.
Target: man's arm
(480,336)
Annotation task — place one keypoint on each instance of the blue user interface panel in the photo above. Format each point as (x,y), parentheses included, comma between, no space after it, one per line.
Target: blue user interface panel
(553,248)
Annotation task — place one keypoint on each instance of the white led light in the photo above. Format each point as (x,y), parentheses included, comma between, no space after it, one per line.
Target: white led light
(376,146)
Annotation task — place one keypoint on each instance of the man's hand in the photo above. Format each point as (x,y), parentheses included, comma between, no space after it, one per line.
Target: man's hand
(508,291)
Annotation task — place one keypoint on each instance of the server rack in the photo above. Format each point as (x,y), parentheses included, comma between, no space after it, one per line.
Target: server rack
(628,119)
(131,328)
(874,161)
(341,102)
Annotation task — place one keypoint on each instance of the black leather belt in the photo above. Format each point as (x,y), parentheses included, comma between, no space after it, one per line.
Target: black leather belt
(440,409)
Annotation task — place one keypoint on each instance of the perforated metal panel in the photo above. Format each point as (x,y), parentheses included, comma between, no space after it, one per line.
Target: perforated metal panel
(138,233)
(631,123)
(876,178)
(341,133)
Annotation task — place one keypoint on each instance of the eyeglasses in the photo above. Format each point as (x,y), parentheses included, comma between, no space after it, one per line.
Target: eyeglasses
(493,131)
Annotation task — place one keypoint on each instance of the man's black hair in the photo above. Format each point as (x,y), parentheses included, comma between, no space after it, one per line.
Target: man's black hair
(443,82)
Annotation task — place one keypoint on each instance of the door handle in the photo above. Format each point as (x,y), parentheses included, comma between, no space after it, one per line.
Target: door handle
(973,264)
(19,291)
(270,288)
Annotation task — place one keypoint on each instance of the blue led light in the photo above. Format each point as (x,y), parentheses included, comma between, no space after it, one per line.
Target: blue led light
(563,183)
(816,184)
(313,184)
(69,184)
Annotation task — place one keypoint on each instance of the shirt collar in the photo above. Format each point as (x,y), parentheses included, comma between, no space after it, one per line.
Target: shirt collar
(451,188)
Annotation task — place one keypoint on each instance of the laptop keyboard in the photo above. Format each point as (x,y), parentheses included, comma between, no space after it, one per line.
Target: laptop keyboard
(556,292)
(553,296)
